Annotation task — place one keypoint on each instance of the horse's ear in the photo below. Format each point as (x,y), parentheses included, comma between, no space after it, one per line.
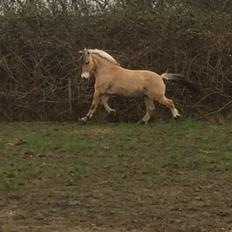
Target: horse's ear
(85,51)
(82,56)
(81,59)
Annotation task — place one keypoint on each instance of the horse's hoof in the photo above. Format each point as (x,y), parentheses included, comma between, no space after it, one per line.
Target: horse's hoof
(83,119)
(141,122)
(178,116)
(113,111)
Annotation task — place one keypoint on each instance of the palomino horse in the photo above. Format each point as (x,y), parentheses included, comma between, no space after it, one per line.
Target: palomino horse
(112,79)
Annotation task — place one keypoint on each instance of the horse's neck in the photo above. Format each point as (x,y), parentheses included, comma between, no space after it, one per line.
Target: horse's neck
(103,66)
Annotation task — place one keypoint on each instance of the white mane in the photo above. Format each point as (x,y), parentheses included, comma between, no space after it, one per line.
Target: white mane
(104,54)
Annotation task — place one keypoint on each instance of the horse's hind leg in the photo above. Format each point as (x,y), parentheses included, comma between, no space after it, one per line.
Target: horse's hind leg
(104,102)
(170,104)
(149,108)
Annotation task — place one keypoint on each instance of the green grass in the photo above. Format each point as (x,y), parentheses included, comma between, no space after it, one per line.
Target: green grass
(114,163)
(79,168)
(187,146)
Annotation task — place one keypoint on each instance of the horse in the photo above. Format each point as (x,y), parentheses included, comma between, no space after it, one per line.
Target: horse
(112,79)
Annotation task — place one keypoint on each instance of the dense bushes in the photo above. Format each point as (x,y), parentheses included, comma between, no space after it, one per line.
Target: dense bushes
(39,61)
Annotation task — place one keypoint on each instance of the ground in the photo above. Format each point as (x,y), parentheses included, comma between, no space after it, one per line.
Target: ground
(166,176)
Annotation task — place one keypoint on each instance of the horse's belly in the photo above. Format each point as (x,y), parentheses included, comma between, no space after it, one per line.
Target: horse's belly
(128,92)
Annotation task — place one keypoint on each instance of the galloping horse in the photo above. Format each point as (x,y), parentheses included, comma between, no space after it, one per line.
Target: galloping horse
(112,79)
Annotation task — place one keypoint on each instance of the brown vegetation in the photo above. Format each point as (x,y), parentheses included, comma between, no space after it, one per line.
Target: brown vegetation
(39,60)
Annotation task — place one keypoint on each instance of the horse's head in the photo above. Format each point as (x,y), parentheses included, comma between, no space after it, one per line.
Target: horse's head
(87,63)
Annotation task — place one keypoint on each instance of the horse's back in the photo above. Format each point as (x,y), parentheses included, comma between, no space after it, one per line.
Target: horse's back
(137,74)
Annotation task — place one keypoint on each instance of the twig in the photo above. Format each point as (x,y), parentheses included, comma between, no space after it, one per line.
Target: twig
(70,95)
(220,109)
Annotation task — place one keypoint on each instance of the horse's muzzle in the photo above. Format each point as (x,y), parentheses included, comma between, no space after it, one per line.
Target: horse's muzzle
(85,75)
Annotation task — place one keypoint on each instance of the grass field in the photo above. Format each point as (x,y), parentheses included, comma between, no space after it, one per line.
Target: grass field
(173,176)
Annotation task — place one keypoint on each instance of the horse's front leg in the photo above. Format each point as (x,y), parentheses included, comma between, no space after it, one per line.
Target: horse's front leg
(95,102)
